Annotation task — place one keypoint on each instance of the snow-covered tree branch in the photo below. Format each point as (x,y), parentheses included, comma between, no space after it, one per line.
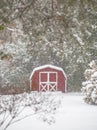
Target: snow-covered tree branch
(89,88)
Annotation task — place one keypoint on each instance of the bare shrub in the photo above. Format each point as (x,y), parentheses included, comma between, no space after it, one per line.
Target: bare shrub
(12,107)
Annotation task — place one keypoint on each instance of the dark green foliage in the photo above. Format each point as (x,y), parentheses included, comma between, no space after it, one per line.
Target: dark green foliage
(4,56)
(1,27)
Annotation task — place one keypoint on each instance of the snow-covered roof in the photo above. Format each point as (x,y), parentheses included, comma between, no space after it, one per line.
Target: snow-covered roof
(45,66)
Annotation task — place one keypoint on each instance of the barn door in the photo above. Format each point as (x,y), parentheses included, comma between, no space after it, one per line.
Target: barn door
(48,81)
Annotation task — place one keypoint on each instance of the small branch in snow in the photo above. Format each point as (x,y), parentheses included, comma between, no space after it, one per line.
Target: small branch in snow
(11,29)
(78,39)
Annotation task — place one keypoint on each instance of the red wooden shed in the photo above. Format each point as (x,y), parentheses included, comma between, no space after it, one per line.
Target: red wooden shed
(48,78)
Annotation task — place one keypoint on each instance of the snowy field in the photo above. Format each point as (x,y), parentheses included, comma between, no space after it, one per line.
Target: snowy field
(72,114)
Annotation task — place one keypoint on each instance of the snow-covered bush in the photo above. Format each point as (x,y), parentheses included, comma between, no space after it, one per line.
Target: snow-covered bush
(14,108)
(89,88)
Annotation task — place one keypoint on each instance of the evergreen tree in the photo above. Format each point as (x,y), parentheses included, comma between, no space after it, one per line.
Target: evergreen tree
(90,85)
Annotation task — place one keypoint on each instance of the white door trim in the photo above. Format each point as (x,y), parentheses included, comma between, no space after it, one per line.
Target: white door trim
(48,85)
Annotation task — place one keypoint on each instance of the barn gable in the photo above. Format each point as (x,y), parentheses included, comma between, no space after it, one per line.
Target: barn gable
(48,78)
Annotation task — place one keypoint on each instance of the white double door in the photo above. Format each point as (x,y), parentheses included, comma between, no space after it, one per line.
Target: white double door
(48,81)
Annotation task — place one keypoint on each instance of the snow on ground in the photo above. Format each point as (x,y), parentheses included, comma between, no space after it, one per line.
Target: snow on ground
(72,114)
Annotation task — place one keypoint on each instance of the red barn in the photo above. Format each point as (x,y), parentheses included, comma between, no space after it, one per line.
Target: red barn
(48,78)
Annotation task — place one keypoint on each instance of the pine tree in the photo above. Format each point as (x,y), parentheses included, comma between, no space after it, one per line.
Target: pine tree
(89,88)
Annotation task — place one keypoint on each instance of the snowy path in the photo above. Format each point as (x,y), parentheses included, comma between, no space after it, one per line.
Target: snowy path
(73,114)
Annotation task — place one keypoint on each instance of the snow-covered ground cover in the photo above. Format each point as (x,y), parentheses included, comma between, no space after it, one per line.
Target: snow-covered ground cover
(73,113)
(14,108)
